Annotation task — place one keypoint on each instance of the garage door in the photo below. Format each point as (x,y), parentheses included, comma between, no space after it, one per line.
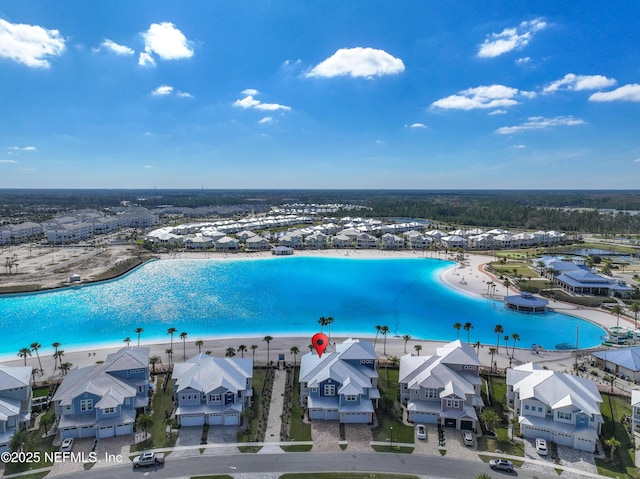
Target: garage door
(231,419)
(192,420)
(107,431)
(87,431)
(466,425)
(425,418)
(450,422)
(123,429)
(214,419)
(563,439)
(356,418)
(316,414)
(331,414)
(70,432)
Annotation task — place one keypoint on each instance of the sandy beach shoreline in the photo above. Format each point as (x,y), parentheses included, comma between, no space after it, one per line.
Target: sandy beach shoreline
(469,278)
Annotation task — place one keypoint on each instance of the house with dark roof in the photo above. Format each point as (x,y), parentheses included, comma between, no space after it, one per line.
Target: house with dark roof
(102,400)
(212,391)
(15,402)
(555,406)
(443,388)
(342,385)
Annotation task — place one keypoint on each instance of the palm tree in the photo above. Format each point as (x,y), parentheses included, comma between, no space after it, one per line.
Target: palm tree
(138,331)
(457,327)
(19,441)
(169,353)
(329,320)
(506,283)
(144,422)
(23,353)
(183,336)
(468,327)
(322,322)
(417,347)
(47,421)
(199,343)
(515,337)
(378,328)
(294,350)
(171,331)
(477,345)
(613,443)
(242,348)
(58,355)
(498,330)
(231,352)
(268,340)
(506,343)
(153,360)
(127,340)
(35,347)
(65,367)
(384,330)
(406,338)
(492,353)
(253,351)
(617,310)
(490,418)
(635,309)
(55,346)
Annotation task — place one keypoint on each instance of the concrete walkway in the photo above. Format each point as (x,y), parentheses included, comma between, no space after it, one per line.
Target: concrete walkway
(274,422)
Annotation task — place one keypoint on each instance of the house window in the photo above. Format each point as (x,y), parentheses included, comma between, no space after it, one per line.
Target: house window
(564,415)
(454,403)
(351,397)
(431,393)
(329,389)
(314,390)
(526,407)
(539,409)
(109,410)
(86,405)
(214,397)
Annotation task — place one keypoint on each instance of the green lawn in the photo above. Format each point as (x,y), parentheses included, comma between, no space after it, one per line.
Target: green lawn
(613,411)
(298,430)
(41,391)
(249,435)
(497,401)
(162,404)
(35,443)
(389,412)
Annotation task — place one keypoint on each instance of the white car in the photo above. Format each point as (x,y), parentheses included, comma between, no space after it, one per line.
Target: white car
(467,438)
(67,445)
(541,447)
(421,431)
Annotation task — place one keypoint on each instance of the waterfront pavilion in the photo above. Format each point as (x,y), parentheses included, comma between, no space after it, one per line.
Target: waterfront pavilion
(526,302)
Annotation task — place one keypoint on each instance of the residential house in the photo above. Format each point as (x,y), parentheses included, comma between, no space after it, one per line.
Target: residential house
(390,241)
(227,244)
(341,241)
(365,240)
(15,402)
(555,406)
(316,240)
(102,400)
(257,243)
(417,240)
(212,391)
(341,385)
(453,242)
(444,388)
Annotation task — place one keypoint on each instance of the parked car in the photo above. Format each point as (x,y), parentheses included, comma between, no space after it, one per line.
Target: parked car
(421,431)
(66,445)
(501,464)
(541,446)
(148,459)
(467,438)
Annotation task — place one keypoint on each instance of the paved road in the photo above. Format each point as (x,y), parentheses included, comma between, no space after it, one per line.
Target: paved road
(428,467)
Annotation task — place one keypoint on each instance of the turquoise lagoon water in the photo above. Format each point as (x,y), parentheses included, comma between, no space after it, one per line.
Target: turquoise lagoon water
(274,296)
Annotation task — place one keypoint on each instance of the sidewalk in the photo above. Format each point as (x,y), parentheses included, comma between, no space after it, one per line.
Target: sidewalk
(274,422)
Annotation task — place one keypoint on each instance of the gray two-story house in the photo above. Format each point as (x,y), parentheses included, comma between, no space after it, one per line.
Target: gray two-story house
(442,389)
(212,391)
(15,402)
(342,385)
(103,400)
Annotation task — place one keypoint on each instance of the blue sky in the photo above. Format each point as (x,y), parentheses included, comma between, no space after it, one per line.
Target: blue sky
(319,94)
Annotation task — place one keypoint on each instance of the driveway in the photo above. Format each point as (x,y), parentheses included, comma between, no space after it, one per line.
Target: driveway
(109,448)
(325,435)
(222,435)
(359,437)
(188,436)
(68,467)
(569,457)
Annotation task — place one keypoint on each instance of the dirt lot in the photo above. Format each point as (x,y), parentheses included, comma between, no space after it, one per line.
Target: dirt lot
(31,267)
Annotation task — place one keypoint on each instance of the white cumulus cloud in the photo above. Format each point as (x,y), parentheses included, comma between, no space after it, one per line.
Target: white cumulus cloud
(358,62)
(250,91)
(509,39)
(629,92)
(163,90)
(165,41)
(30,45)
(539,123)
(115,48)
(250,102)
(580,82)
(417,125)
(489,96)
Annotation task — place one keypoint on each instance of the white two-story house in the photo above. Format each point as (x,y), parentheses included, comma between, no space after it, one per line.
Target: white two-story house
(556,406)
(341,385)
(444,388)
(102,400)
(212,391)
(15,402)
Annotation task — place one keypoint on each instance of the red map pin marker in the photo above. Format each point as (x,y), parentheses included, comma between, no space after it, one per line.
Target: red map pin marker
(320,342)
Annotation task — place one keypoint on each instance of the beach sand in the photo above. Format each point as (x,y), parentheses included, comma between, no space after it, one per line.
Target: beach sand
(469,277)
